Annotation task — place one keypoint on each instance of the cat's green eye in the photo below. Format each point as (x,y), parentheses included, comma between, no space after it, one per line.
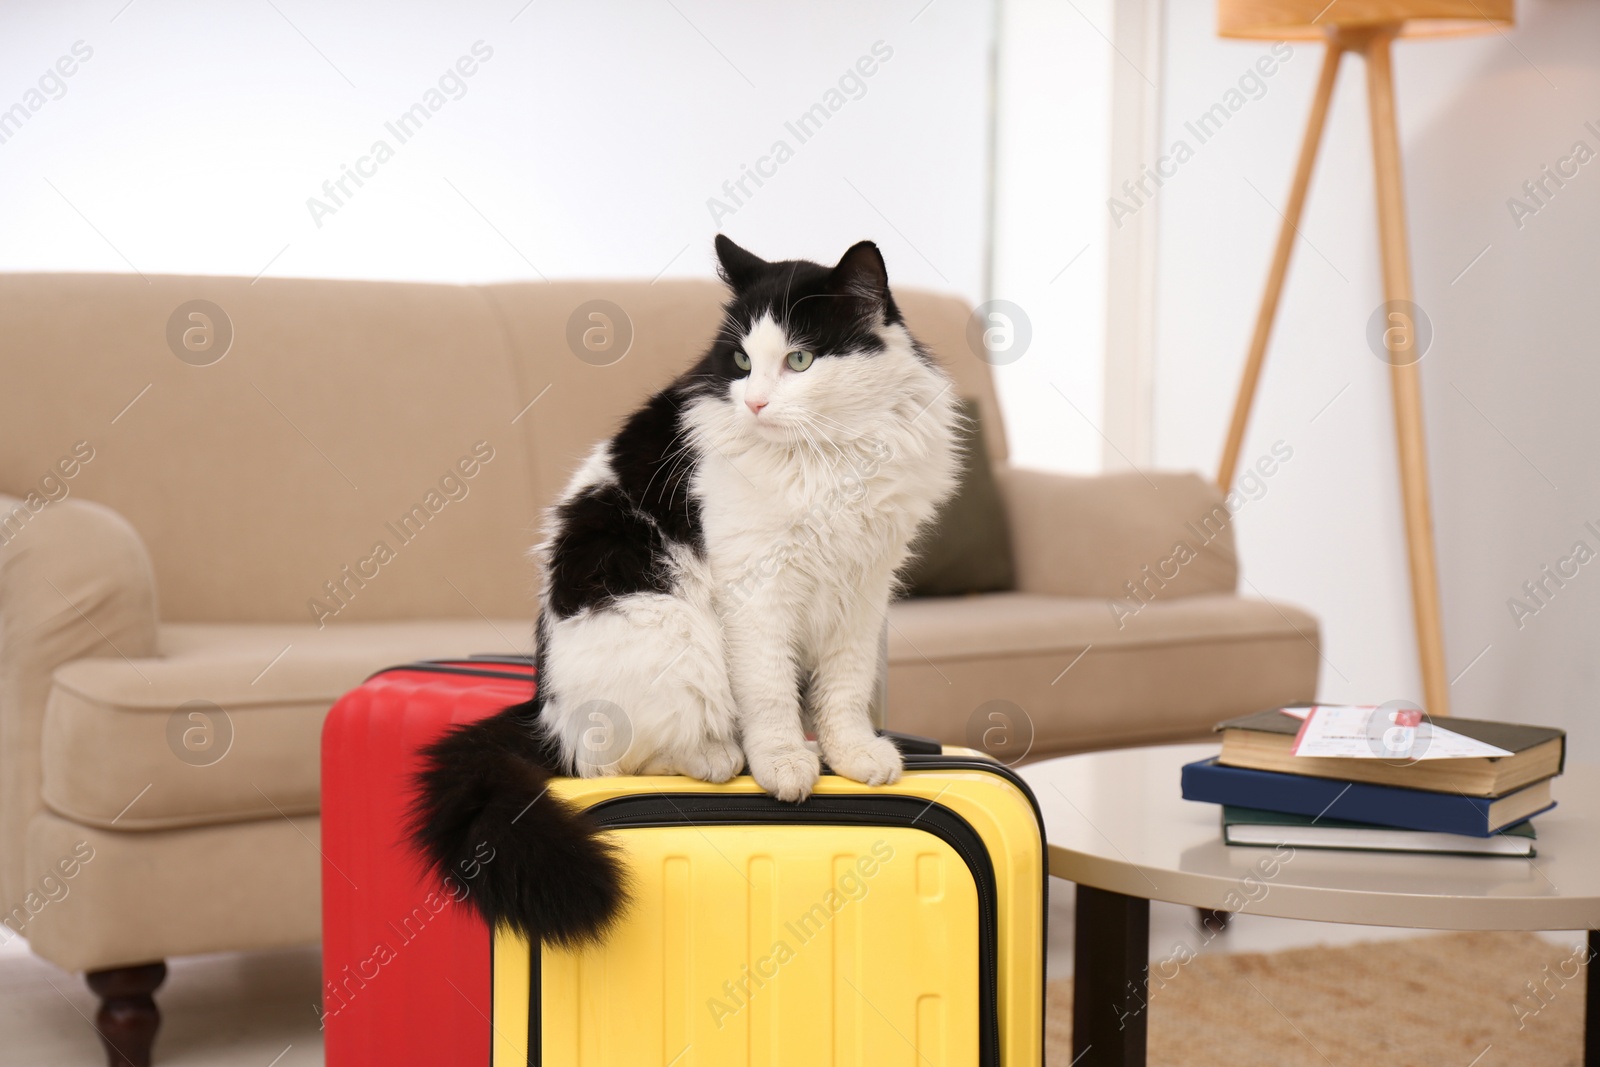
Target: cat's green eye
(800,359)
(741,360)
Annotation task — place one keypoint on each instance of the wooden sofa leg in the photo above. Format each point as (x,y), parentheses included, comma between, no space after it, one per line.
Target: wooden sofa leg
(128,1018)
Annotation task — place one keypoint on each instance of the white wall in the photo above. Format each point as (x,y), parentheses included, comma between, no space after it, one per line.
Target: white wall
(588,144)
(1052,152)
(1511,385)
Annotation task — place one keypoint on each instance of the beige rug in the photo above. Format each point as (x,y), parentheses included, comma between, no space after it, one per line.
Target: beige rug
(1454,1000)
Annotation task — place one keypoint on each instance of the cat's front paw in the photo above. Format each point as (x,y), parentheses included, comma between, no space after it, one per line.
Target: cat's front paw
(786,773)
(873,762)
(717,761)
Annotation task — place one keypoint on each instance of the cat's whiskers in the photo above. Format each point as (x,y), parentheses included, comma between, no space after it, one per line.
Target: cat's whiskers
(816,421)
(819,442)
(852,432)
(817,296)
(815,444)
(828,464)
(669,456)
(682,467)
(787,285)
(679,464)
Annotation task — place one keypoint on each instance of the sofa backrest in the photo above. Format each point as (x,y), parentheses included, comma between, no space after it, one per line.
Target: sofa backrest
(362,450)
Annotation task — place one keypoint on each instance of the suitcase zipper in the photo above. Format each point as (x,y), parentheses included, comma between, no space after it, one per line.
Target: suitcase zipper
(436,667)
(696,809)
(919,762)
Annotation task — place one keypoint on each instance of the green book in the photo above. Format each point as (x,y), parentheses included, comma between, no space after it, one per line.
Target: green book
(1248,826)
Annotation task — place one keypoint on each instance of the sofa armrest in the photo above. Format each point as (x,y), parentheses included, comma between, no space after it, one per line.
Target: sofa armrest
(1147,535)
(75,581)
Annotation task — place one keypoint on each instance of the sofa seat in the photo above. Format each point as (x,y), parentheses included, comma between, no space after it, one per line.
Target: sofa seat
(123,752)
(1072,675)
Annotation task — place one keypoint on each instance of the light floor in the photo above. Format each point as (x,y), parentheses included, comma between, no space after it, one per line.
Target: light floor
(255,1010)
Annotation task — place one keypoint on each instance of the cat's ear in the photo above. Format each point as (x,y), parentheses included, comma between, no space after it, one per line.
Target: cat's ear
(738,267)
(861,274)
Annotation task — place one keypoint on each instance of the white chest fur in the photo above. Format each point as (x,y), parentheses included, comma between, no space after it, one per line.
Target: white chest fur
(807,530)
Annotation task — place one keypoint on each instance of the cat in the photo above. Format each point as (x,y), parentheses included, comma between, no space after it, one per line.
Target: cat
(715,578)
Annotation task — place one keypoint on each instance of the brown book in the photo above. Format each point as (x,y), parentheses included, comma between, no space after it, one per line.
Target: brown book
(1264,741)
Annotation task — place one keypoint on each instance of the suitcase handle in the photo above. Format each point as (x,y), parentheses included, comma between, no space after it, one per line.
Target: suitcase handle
(912,744)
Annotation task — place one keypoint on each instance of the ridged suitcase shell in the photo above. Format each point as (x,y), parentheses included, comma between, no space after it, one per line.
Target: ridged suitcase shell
(406,976)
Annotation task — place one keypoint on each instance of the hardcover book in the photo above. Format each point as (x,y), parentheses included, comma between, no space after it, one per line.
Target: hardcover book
(1246,826)
(1265,741)
(1214,782)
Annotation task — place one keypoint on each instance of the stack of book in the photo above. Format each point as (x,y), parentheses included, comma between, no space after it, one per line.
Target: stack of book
(1367,798)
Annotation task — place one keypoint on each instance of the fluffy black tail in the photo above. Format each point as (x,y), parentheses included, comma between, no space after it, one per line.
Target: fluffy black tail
(484,819)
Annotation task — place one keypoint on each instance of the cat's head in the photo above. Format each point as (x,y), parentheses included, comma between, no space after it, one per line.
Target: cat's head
(807,349)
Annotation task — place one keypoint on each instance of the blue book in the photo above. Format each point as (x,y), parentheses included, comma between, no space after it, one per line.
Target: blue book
(1377,805)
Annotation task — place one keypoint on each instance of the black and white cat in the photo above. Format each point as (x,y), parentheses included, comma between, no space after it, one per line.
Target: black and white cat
(716,577)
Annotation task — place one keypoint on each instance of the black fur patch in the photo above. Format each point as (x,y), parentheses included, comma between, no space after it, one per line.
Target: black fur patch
(606,548)
(613,540)
(653,465)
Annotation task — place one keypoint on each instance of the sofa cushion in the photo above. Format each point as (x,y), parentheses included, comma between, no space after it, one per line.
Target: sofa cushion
(967,547)
(1128,536)
(346,415)
(225,724)
(1072,675)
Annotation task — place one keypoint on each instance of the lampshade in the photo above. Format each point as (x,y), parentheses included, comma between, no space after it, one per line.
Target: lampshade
(1301,20)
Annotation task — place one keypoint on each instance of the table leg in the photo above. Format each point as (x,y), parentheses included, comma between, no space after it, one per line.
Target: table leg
(1591,1006)
(1110,969)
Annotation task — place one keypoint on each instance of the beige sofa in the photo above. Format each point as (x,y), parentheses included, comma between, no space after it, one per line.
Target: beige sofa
(199,554)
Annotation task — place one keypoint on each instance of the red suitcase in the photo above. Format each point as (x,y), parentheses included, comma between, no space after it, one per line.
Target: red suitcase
(396,947)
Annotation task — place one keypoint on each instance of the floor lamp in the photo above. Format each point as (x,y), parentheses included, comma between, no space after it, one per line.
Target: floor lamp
(1367,27)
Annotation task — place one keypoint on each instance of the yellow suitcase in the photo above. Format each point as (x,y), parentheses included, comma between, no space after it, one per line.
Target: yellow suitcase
(881,926)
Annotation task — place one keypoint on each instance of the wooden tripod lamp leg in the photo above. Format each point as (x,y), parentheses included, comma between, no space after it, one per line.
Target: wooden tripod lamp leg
(1404,377)
(1280,266)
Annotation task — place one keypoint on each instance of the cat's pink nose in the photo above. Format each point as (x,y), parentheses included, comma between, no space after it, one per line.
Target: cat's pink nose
(755,405)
